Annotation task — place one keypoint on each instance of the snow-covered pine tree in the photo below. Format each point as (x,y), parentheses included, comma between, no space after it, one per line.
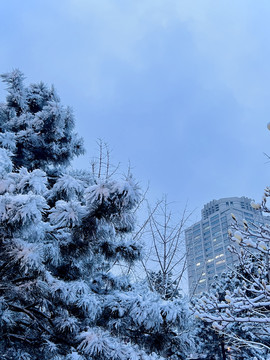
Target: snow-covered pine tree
(159,325)
(208,343)
(238,306)
(35,126)
(61,233)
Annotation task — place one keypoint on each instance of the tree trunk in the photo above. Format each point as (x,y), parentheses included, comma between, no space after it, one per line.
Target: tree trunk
(223,352)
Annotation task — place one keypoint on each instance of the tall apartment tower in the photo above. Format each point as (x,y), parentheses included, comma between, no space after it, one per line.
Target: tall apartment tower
(207,240)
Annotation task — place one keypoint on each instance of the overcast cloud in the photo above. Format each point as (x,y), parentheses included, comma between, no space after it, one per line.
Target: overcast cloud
(179,88)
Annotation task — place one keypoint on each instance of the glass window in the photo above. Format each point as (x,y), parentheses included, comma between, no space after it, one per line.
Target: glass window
(215,229)
(199,258)
(248,215)
(206,233)
(221,268)
(220,262)
(217,245)
(214,218)
(215,222)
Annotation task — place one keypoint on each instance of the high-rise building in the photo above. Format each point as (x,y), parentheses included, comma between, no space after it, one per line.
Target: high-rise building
(207,240)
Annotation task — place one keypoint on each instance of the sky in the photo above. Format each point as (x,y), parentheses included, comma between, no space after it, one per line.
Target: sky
(178,88)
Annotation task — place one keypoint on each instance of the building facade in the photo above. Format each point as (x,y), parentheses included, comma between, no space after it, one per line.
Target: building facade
(207,240)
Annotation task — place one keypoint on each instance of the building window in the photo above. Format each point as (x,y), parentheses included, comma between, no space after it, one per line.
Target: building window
(248,215)
(197,232)
(220,268)
(216,229)
(215,222)
(206,233)
(224,226)
(214,218)
(220,262)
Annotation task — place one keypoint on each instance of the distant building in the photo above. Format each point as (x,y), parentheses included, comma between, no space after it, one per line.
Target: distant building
(207,240)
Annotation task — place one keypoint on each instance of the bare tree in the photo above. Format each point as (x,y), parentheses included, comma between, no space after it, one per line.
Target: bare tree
(165,260)
(101,165)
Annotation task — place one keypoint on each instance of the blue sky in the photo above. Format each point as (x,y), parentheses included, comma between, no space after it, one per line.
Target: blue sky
(179,88)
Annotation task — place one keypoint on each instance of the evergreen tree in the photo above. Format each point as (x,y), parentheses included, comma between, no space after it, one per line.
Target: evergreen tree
(35,126)
(61,233)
